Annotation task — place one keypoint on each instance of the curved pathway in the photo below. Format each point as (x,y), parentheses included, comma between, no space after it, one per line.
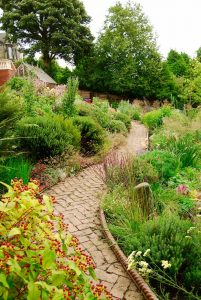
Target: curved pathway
(77,198)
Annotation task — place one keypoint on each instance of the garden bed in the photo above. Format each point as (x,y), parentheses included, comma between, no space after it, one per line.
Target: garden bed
(152,205)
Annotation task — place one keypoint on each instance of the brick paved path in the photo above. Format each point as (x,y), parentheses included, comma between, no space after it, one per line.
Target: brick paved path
(77,198)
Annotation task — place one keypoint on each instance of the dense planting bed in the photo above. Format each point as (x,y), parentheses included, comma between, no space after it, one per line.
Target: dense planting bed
(152,204)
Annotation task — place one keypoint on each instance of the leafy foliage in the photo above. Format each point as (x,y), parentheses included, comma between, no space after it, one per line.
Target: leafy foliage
(123,118)
(102,117)
(39,258)
(165,163)
(92,134)
(175,240)
(10,112)
(68,106)
(130,110)
(15,167)
(178,63)
(154,118)
(125,59)
(58,30)
(117,126)
(48,135)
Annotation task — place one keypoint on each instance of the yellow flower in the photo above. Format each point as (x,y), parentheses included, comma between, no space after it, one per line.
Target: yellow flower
(194,194)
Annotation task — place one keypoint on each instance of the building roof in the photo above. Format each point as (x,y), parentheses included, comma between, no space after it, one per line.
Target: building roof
(39,73)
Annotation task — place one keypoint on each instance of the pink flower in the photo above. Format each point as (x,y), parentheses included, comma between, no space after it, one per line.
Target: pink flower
(182,189)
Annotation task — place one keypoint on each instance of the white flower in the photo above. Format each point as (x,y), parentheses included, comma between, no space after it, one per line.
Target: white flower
(188,237)
(143,264)
(165,264)
(146,252)
(191,229)
(130,265)
(139,253)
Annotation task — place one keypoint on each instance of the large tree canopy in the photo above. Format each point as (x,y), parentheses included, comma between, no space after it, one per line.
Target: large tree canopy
(126,59)
(57,29)
(178,63)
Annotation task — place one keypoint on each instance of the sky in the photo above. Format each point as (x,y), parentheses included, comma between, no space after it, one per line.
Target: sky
(177,23)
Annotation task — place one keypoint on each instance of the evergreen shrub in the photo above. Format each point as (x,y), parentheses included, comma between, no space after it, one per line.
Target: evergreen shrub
(92,134)
(48,135)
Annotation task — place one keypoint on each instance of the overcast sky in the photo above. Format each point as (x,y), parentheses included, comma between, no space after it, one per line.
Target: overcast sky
(176,22)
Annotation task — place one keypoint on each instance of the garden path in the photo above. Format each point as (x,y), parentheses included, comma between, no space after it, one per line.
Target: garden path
(77,198)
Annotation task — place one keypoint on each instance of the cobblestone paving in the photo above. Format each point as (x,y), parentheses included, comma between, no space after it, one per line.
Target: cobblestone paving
(78,199)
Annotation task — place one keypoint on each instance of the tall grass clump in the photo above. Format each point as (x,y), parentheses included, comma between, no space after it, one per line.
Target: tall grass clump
(127,173)
(15,167)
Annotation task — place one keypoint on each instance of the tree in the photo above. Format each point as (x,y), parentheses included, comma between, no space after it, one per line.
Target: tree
(167,85)
(178,63)
(126,59)
(57,29)
(198,52)
(190,89)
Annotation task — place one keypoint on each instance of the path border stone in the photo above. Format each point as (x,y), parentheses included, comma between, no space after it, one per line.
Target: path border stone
(134,276)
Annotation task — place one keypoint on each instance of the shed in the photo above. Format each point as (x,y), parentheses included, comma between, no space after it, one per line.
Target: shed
(26,69)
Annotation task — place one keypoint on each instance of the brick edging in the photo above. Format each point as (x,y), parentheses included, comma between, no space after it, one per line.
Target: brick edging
(135,277)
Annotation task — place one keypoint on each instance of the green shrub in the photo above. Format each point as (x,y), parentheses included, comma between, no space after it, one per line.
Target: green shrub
(101,116)
(124,118)
(17,83)
(154,118)
(188,176)
(39,258)
(170,199)
(92,134)
(84,109)
(165,163)
(170,238)
(11,110)
(68,101)
(130,110)
(114,104)
(135,114)
(117,126)
(48,135)
(102,104)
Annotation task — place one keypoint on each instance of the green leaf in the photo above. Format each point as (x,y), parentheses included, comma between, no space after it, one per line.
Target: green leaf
(3,280)
(48,204)
(14,266)
(49,258)
(58,295)
(92,273)
(5,295)
(58,278)
(14,231)
(33,291)
(1,254)
(74,267)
